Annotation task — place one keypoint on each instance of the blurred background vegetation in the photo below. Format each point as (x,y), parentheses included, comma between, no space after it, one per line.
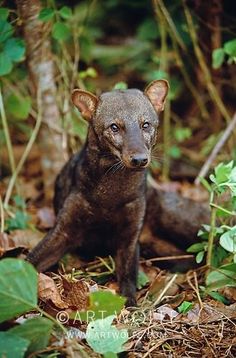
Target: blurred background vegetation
(48,48)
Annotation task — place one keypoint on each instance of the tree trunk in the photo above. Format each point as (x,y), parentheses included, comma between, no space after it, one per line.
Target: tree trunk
(41,69)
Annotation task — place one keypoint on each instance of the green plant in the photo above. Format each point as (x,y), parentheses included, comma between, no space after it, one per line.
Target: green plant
(219,238)
(228,51)
(18,295)
(12,49)
(19,218)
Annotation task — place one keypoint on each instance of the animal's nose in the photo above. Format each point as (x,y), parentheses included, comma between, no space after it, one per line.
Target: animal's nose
(139,160)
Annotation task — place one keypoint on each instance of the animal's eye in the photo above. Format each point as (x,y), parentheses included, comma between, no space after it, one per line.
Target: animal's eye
(146,125)
(114,128)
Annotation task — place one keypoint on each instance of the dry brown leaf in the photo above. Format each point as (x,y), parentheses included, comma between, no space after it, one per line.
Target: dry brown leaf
(18,240)
(164,312)
(160,283)
(47,290)
(26,238)
(76,294)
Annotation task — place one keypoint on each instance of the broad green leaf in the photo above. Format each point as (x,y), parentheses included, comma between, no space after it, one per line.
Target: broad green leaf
(46,14)
(36,330)
(65,12)
(19,221)
(12,346)
(4,12)
(230,48)
(18,288)
(120,86)
(217,296)
(197,247)
(142,279)
(222,173)
(200,257)
(102,304)
(60,31)
(18,107)
(229,267)
(6,30)
(102,337)
(185,307)
(228,240)
(5,64)
(218,56)
(15,49)
(220,278)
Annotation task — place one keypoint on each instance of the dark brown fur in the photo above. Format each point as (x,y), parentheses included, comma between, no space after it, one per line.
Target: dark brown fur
(100,194)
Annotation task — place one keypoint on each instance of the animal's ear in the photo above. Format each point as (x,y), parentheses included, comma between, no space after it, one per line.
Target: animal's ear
(157,91)
(85,101)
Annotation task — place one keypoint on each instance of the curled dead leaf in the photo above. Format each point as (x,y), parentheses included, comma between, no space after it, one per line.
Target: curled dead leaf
(47,290)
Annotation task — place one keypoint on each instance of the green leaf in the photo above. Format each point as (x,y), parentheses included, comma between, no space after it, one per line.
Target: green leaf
(19,221)
(6,30)
(12,346)
(18,288)
(222,173)
(46,14)
(185,307)
(65,12)
(102,304)
(182,134)
(4,12)
(19,201)
(220,278)
(175,152)
(102,337)
(230,48)
(218,56)
(197,247)
(5,64)
(200,257)
(228,240)
(148,30)
(120,86)
(18,107)
(217,296)
(142,279)
(89,72)
(229,267)
(36,330)
(15,49)
(60,31)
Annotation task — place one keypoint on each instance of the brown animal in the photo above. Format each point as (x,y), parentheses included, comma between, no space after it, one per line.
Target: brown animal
(100,194)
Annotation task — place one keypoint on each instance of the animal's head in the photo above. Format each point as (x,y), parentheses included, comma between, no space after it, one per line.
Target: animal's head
(125,121)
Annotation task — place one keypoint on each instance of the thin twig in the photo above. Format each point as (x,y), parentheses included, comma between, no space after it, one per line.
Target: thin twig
(161,295)
(205,168)
(168,258)
(1,216)
(7,135)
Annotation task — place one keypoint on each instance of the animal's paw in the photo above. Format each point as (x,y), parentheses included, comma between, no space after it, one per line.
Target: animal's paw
(131,302)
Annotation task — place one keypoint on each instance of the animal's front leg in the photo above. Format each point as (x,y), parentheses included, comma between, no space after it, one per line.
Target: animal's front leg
(58,240)
(127,262)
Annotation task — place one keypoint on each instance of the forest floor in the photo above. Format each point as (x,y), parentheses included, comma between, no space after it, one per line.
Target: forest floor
(173,318)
